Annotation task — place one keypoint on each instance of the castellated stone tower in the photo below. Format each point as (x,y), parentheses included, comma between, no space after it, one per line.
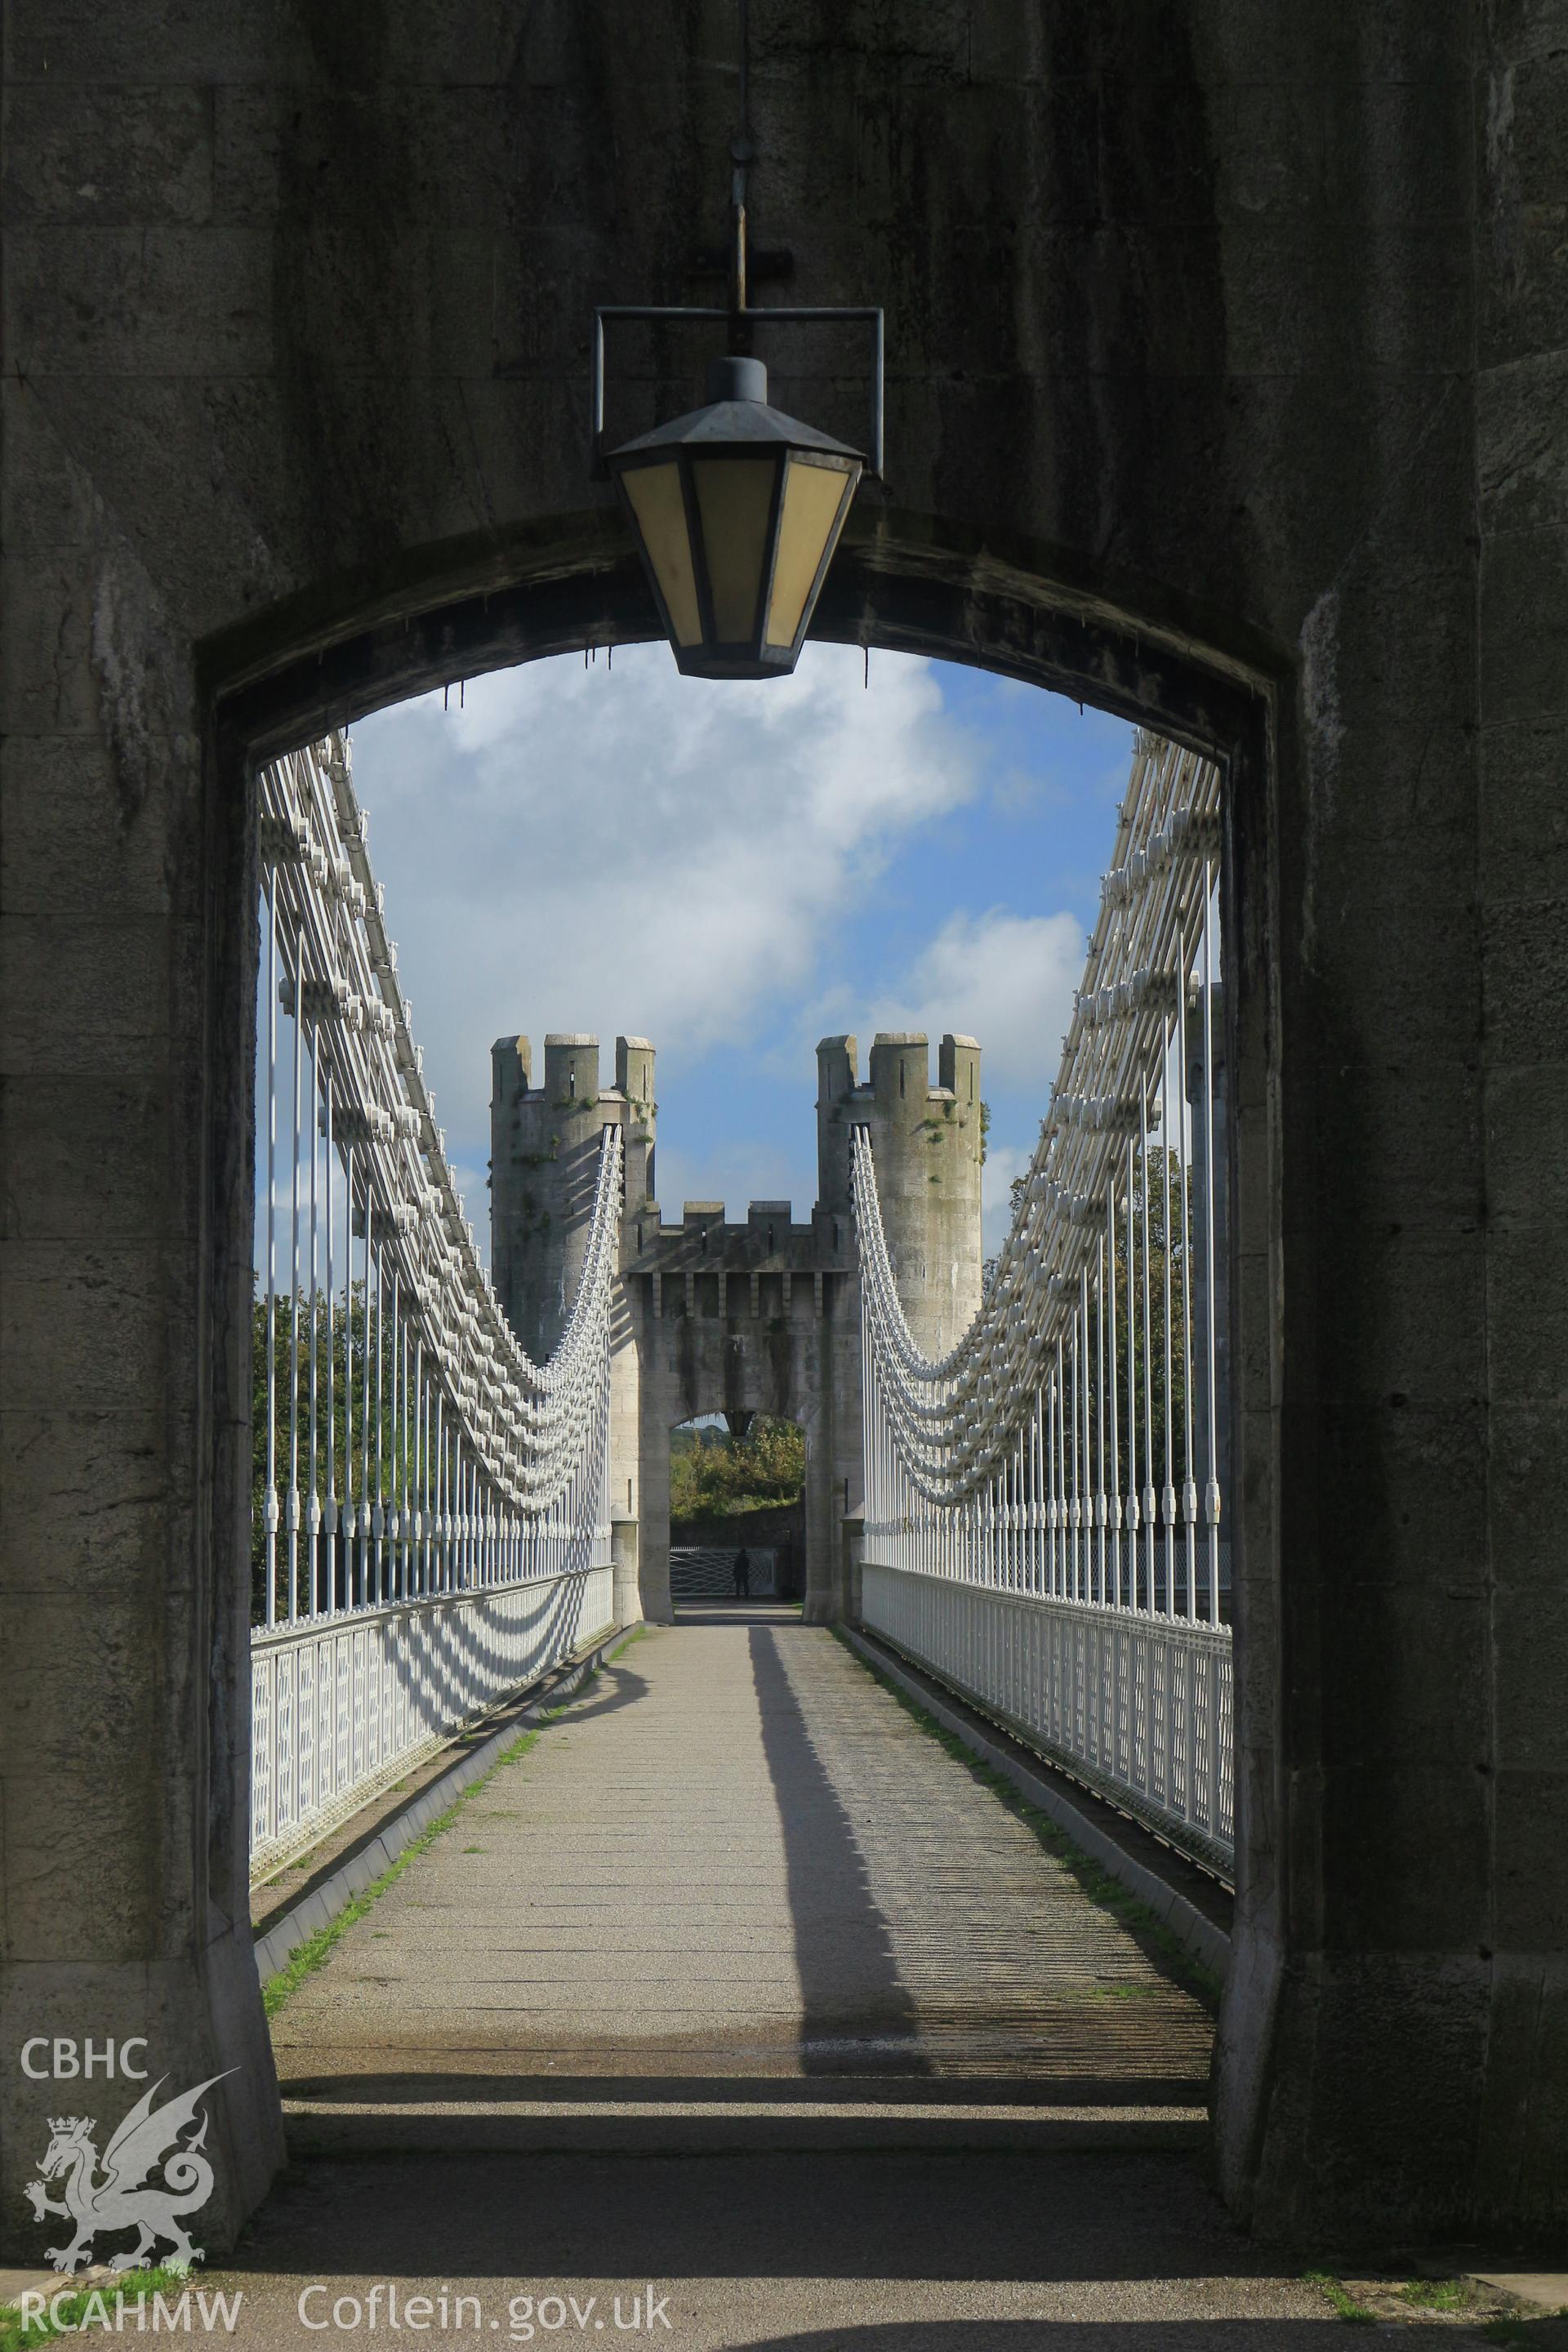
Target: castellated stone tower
(927,1144)
(761,1316)
(544,1159)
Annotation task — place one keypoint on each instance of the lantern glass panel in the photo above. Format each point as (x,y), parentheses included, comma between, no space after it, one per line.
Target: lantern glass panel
(813,500)
(659,502)
(735,497)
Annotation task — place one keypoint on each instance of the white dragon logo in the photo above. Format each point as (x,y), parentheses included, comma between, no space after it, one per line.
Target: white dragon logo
(125,2198)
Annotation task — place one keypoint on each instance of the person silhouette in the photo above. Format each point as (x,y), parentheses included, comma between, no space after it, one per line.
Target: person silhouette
(743,1574)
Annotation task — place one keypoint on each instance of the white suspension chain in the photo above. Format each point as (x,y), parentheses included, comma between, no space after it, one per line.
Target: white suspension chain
(411,1444)
(957,1418)
(1066,1459)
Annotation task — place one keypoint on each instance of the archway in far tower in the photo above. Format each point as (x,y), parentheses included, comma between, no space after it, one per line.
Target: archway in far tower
(737,1511)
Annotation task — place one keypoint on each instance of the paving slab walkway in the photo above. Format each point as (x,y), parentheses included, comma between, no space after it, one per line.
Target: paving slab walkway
(740,2014)
(734,1896)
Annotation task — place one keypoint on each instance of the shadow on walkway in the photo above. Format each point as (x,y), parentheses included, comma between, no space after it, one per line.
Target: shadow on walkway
(858,2017)
(615,1685)
(434,2088)
(817,2253)
(1081,2217)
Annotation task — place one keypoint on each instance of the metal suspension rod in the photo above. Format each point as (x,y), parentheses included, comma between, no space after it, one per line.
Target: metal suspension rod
(1211,1493)
(270,1499)
(1189,1484)
(294,1319)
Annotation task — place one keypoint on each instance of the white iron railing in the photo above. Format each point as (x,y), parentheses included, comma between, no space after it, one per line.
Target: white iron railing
(431,1521)
(338,1703)
(1043,1504)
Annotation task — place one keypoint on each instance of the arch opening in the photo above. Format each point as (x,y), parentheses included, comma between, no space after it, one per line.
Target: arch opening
(985,624)
(737,1508)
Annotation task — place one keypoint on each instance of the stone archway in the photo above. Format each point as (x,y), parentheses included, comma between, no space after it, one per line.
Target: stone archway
(706,1537)
(904,584)
(1207,393)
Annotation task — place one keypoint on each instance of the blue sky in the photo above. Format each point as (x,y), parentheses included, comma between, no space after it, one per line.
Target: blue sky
(735,870)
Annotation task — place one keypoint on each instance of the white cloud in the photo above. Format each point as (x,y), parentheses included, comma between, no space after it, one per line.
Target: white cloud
(1005,978)
(1004,1162)
(473,1189)
(630,850)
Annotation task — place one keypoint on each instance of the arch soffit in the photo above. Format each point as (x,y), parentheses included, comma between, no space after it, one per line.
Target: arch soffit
(901,583)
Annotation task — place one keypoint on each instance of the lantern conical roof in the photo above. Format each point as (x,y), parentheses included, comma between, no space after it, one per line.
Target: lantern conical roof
(737,411)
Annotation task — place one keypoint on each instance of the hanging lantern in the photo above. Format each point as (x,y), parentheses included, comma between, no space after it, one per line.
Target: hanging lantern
(737,510)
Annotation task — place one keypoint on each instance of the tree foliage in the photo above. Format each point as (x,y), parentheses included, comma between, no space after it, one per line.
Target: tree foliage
(385,1468)
(1149,1240)
(1149,1253)
(714,1474)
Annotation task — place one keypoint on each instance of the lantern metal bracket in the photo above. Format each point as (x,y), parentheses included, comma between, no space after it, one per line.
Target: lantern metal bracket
(742,317)
(738,315)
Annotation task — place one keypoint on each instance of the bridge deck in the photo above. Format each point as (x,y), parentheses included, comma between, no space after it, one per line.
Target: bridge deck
(736,1892)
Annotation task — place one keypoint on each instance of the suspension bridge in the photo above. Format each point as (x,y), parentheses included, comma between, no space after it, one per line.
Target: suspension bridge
(431,1524)
(736,1891)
